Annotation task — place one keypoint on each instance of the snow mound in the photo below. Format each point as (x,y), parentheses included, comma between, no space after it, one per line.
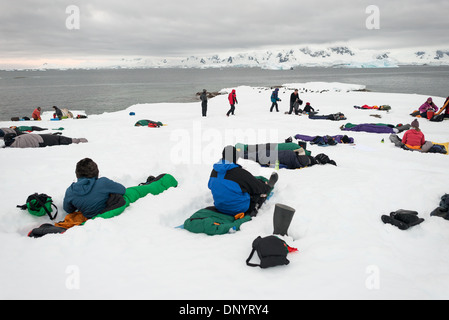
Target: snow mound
(345,251)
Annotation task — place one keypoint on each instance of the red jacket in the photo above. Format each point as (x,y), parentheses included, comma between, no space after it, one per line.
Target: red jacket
(232,97)
(413,138)
(36,115)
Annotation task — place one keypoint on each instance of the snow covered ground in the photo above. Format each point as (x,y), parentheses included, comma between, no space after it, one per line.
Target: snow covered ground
(345,251)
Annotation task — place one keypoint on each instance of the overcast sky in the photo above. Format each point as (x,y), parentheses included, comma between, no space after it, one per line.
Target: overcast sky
(36,29)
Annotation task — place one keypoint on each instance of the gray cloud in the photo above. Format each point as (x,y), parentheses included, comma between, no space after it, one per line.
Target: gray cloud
(36,29)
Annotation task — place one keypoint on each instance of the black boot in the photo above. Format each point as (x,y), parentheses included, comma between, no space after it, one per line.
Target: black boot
(409,217)
(403,219)
(282,218)
(45,229)
(273,179)
(440,212)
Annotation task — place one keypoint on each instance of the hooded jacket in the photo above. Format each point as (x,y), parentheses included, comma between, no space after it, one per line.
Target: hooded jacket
(232,187)
(36,115)
(232,97)
(275,96)
(428,105)
(89,195)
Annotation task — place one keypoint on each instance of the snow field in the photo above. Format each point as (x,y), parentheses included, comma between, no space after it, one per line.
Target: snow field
(345,251)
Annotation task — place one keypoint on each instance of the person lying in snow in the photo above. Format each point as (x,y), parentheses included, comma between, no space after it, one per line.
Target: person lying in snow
(288,159)
(292,160)
(31,140)
(19,130)
(383,107)
(235,190)
(91,197)
(334,117)
(325,140)
(148,123)
(375,127)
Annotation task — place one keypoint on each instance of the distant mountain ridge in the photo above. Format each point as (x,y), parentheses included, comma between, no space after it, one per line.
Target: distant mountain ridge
(282,59)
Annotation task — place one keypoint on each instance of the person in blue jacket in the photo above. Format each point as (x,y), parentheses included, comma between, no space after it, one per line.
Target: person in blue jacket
(274,100)
(90,194)
(236,190)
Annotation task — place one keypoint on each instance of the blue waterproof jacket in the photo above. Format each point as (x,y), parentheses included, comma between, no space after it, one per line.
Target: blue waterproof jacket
(274,95)
(89,195)
(228,195)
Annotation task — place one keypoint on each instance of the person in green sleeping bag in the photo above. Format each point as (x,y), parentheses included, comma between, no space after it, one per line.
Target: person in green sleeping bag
(92,197)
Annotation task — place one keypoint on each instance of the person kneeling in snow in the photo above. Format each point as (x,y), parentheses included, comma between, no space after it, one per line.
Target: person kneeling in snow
(235,190)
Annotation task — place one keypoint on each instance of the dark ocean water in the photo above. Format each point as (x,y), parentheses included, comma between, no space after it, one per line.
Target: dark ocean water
(98,91)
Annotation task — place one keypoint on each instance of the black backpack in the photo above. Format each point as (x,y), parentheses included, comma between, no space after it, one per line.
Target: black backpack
(271,250)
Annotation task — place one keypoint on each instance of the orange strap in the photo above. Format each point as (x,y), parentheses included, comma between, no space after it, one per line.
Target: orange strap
(239,216)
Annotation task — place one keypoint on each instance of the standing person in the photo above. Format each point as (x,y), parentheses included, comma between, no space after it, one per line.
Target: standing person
(274,100)
(232,101)
(203,98)
(36,114)
(295,102)
(429,105)
(58,113)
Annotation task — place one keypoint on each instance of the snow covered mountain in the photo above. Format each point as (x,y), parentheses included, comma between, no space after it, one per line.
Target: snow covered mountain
(284,59)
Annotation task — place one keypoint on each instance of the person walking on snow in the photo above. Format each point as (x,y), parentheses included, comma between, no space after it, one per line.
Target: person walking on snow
(232,97)
(274,100)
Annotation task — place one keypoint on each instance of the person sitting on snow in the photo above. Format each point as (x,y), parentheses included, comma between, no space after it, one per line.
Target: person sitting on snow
(308,109)
(413,139)
(235,190)
(429,105)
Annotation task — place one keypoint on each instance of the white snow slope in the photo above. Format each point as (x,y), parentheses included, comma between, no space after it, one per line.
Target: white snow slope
(345,251)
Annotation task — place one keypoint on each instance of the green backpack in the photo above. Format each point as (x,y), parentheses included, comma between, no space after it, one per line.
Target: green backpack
(39,205)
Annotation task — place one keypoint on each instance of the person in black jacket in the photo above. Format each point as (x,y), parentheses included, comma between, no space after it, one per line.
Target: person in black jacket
(203,98)
(236,190)
(58,113)
(295,102)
